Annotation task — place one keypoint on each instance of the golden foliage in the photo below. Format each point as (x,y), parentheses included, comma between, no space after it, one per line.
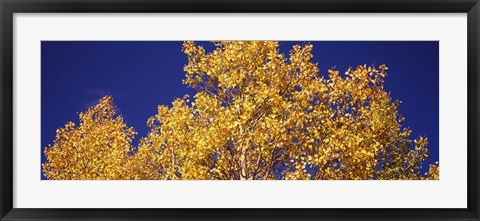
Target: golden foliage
(95,149)
(257,115)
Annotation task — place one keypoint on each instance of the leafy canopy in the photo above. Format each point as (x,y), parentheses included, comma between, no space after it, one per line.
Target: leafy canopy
(257,115)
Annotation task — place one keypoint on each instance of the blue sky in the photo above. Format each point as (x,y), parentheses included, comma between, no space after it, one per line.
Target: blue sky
(141,75)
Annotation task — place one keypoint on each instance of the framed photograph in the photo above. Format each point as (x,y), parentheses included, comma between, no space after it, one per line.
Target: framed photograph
(264,110)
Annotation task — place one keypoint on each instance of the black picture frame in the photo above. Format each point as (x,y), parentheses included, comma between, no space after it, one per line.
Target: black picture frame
(9,7)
